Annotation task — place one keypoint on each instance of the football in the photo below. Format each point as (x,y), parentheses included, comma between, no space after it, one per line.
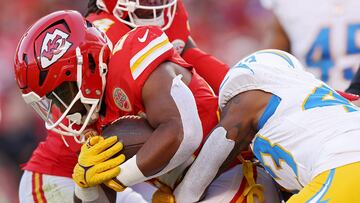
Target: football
(132,131)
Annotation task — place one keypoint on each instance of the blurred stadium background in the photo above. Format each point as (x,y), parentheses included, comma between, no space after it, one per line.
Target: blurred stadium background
(227,29)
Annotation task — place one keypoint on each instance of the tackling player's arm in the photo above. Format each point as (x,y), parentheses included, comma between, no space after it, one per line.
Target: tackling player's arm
(237,127)
(240,119)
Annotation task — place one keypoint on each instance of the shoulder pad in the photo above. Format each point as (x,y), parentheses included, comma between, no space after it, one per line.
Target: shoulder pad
(145,44)
(239,79)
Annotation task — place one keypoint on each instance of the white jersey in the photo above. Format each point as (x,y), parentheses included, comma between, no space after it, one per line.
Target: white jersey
(307,128)
(324,36)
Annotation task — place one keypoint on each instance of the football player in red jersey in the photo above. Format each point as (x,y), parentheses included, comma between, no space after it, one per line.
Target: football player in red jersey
(63,63)
(116,18)
(106,15)
(54,158)
(57,155)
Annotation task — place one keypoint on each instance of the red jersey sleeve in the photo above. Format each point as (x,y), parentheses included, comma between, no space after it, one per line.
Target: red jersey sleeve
(148,47)
(135,56)
(179,31)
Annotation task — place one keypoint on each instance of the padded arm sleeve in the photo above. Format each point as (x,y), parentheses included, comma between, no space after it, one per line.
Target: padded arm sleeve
(201,173)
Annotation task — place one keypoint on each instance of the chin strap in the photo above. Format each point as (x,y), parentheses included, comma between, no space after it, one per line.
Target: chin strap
(251,189)
(115,185)
(63,139)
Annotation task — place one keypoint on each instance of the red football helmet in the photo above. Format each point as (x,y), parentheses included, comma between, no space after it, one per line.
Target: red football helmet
(141,12)
(60,69)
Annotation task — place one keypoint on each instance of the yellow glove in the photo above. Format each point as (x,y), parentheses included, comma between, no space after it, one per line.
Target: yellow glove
(95,163)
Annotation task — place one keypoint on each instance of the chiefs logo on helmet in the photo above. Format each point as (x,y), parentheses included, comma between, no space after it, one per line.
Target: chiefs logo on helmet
(53,47)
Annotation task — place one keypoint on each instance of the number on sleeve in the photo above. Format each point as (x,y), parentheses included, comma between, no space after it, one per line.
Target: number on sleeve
(276,160)
(324,96)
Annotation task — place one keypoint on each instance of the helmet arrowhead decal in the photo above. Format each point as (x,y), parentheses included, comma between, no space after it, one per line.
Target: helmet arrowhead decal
(54,46)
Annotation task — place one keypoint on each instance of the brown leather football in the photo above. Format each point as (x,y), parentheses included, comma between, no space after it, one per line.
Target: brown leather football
(132,131)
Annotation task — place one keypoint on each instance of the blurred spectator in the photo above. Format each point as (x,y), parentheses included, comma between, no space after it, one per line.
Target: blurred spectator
(323,35)
(228,29)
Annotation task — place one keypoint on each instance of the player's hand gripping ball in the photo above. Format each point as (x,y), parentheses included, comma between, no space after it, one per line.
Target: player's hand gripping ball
(97,163)
(133,132)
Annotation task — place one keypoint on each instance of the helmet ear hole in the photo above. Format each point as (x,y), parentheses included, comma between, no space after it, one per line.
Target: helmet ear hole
(25,59)
(92,64)
(42,77)
(88,24)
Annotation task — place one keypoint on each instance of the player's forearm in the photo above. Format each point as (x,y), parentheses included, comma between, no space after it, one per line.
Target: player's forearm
(157,152)
(168,147)
(182,125)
